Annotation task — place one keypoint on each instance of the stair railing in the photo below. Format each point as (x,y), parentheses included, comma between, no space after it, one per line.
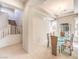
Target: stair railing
(9,30)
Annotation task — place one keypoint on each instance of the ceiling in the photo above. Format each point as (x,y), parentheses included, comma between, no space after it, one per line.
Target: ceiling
(57,7)
(23,1)
(14,3)
(53,8)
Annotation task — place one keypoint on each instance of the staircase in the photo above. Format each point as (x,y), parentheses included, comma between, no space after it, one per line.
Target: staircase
(10,30)
(10,35)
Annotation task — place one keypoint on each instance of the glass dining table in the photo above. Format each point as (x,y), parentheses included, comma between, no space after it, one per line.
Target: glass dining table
(61,41)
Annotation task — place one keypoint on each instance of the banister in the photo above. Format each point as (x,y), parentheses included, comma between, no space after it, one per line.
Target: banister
(8,31)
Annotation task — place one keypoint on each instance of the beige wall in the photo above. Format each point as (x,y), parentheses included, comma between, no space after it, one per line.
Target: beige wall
(25,27)
(10,40)
(75,6)
(35,29)
(3,21)
(40,28)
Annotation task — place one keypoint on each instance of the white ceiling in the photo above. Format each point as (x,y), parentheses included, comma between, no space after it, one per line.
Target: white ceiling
(58,7)
(13,3)
(23,1)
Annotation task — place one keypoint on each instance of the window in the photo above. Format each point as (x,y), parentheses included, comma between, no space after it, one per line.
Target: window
(53,27)
(76,29)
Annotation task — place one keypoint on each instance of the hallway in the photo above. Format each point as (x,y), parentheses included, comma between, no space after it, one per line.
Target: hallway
(17,52)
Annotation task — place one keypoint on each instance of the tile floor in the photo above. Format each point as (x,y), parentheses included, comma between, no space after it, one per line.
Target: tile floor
(17,52)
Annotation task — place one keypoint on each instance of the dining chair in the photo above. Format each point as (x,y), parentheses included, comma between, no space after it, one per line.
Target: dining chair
(54,45)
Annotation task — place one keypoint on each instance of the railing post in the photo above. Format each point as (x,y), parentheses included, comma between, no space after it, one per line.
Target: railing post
(3,33)
(15,29)
(9,30)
